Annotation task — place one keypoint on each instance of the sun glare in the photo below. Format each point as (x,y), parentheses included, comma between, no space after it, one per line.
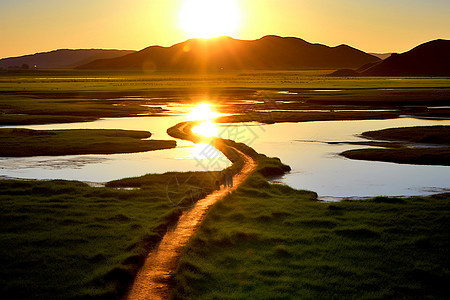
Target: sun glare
(209,18)
(202,112)
(206,129)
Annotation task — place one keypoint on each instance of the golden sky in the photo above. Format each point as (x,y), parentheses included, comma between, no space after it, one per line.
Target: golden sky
(29,26)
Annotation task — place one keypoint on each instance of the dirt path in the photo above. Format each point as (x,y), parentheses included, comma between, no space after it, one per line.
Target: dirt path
(152,281)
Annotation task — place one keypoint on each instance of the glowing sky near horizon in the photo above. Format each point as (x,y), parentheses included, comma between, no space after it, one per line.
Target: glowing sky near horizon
(209,18)
(29,26)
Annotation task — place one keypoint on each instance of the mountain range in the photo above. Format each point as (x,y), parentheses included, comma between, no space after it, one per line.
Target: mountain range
(62,58)
(228,54)
(225,53)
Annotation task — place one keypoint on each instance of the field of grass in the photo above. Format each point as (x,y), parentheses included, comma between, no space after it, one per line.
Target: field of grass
(407,155)
(19,119)
(18,142)
(268,241)
(38,108)
(66,240)
(74,96)
(70,80)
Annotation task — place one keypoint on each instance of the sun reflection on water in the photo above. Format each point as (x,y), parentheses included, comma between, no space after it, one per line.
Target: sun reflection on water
(204,112)
(201,112)
(206,128)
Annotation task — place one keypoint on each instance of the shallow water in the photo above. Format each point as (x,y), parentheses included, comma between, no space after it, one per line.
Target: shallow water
(102,168)
(317,166)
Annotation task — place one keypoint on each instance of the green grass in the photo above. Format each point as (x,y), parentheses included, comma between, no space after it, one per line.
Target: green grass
(19,142)
(73,105)
(45,108)
(72,96)
(268,241)
(70,80)
(66,240)
(180,188)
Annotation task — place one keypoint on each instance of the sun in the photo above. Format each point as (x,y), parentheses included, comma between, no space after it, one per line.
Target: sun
(209,18)
(201,112)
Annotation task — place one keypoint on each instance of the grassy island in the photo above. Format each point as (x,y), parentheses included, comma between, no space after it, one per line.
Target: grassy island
(436,154)
(18,142)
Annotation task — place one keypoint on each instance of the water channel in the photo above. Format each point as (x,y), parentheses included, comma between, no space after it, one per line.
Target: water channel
(315,164)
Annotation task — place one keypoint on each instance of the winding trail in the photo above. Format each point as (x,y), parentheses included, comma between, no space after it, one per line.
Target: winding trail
(153,280)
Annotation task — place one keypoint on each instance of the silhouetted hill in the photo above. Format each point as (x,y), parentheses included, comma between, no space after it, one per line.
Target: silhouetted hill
(225,53)
(429,59)
(62,58)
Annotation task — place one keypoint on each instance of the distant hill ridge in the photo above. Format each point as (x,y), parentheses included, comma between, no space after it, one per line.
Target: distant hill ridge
(225,53)
(428,59)
(381,55)
(62,58)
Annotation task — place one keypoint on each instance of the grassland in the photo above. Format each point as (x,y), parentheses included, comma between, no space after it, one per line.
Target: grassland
(423,155)
(45,108)
(269,241)
(79,242)
(17,142)
(79,81)
(39,97)
(20,119)
(66,240)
